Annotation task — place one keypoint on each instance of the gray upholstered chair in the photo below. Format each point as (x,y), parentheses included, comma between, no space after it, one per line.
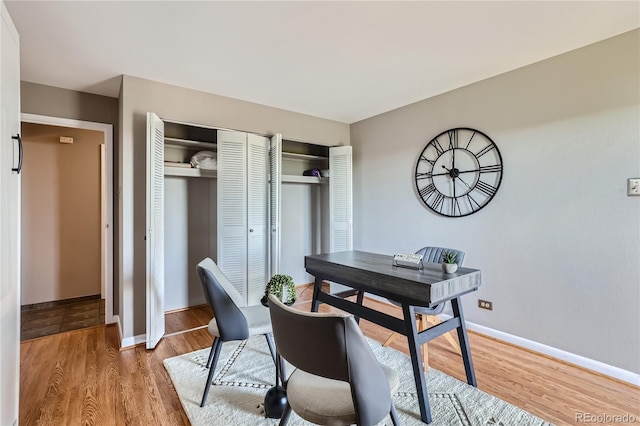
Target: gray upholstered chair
(233,320)
(428,315)
(337,380)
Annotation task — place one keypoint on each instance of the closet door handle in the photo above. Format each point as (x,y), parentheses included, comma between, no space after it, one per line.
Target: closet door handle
(19,168)
(250,230)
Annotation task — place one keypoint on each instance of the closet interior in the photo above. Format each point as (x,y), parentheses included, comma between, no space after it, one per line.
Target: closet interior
(304,221)
(190,212)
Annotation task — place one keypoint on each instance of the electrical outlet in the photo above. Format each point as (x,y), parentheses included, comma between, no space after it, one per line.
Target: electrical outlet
(633,186)
(485,304)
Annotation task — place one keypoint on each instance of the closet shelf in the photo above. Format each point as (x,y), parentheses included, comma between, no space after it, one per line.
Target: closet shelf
(189,143)
(187,172)
(303,179)
(294,156)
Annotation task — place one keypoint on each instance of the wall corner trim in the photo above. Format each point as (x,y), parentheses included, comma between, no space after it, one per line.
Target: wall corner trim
(130,342)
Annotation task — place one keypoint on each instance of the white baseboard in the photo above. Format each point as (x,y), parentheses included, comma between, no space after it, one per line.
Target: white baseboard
(571,358)
(116,320)
(128,342)
(590,364)
(113,319)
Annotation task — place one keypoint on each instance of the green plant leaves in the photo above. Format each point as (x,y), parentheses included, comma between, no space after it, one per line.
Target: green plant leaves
(283,287)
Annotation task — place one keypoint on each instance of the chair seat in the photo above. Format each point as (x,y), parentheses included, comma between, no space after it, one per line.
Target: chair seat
(325,401)
(258,320)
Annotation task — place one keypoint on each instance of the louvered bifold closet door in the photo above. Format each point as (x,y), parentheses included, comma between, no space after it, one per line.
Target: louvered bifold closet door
(232,208)
(276,201)
(155,230)
(340,199)
(340,204)
(258,217)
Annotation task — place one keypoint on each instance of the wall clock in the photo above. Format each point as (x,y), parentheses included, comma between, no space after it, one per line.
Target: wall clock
(458,172)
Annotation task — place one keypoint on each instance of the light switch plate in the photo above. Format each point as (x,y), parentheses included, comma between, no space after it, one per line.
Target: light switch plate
(633,186)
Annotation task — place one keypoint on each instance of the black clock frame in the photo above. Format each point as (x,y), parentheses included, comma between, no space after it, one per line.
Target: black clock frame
(454,173)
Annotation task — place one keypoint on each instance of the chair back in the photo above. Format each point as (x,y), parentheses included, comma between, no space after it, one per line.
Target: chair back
(332,346)
(434,254)
(225,301)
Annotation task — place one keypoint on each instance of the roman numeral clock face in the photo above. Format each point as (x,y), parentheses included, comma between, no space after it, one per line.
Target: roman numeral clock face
(458,172)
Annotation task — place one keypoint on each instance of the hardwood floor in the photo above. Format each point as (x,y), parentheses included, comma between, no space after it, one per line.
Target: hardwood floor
(81,377)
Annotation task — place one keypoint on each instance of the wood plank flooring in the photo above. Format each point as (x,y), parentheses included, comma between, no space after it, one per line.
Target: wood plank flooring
(81,377)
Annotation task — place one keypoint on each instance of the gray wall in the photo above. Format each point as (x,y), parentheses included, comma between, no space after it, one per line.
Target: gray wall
(56,102)
(139,96)
(559,244)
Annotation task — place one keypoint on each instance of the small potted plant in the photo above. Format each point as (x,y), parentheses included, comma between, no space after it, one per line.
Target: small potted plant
(281,286)
(449,264)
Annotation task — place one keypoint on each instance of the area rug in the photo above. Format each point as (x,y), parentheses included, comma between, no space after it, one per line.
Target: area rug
(245,372)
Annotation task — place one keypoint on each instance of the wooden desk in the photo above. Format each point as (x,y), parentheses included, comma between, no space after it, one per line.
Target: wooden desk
(374,273)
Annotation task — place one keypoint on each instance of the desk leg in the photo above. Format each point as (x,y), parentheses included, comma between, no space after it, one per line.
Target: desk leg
(317,286)
(359,300)
(416,361)
(464,342)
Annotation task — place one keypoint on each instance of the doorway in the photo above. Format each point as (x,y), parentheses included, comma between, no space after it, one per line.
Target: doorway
(67,216)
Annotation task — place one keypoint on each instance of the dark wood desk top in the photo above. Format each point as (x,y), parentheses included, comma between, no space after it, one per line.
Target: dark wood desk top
(375,273)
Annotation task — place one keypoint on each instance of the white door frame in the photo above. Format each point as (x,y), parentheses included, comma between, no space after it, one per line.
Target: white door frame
(107,208)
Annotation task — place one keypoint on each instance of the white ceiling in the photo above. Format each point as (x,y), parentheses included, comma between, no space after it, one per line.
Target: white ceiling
(344,61)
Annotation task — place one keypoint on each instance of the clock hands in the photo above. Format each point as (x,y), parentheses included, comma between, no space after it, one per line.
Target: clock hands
(465,183)
(451,172)
(457,172)
(454,173)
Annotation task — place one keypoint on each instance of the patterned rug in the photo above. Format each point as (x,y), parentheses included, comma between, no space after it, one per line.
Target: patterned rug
(245,372)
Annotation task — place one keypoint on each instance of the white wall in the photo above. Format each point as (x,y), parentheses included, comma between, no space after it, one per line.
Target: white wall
(190,217)
(303,209)
(559,245)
